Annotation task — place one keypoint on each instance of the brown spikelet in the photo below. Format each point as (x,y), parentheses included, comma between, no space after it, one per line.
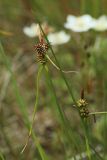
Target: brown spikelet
(41,58)
(84,112)
(41,48)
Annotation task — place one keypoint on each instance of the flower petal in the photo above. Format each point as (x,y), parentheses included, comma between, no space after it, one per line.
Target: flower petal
(58,38)
(79,24)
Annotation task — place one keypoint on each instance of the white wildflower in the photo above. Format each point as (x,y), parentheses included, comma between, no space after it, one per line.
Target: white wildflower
(31,31)
(101,23)
(79,24)
(34,31)
(58,38)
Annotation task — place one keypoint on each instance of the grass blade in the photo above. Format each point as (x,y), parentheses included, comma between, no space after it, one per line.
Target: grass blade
(67,131)
(22,104)
(69,88)
(35,108)
(1,156)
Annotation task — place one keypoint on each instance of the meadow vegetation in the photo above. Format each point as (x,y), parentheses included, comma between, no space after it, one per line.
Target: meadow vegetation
(61,85)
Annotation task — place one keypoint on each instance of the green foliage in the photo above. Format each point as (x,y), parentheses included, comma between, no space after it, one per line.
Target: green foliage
(63,134)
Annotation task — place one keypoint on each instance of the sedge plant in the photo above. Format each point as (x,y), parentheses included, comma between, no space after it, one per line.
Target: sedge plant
(83,120)
(81,105)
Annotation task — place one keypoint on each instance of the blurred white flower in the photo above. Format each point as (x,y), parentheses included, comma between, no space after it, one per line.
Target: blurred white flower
(79,24)
(58,38)
(31,31)
(34,31)
(101,23)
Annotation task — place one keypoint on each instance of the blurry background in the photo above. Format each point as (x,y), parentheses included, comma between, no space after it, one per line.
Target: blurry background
(85,52)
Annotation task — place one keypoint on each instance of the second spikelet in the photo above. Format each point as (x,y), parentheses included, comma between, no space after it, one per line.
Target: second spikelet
(82,106)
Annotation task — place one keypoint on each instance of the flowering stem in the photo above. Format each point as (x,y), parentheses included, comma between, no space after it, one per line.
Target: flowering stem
(93,113)
(35,108)
(61,115)
(22,105)
(87,138)
(69,88)
(88,147)
(58,67)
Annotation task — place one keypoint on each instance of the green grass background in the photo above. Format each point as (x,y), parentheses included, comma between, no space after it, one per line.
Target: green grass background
(58,132)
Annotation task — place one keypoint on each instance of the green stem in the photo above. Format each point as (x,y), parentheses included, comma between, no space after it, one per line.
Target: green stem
(88,148)
(85,125)
(54,94)
(22,104)
(62,74)
(58,67)
(35,108)
(92,113)
(64,123)
(1,156)
(37,96)
(39,147)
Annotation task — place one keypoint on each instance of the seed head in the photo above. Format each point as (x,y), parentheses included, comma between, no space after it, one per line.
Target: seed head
(81,103)
(41,48)
(84,112)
